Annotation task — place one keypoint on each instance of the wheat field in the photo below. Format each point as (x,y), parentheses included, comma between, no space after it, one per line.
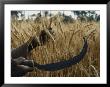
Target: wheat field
(68,42)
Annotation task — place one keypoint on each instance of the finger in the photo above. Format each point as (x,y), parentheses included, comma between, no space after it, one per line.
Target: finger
(27,63)
(19,60)
(25,68)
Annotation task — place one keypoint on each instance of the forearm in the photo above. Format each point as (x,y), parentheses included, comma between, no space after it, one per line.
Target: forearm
(20,51)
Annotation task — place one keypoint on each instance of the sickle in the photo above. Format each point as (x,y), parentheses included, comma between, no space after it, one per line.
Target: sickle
(62,64)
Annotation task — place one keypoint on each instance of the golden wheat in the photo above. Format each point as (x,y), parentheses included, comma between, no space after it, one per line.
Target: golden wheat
(68,42)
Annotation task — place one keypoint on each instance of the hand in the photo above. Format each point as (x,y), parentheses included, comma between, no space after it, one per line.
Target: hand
(20,66)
